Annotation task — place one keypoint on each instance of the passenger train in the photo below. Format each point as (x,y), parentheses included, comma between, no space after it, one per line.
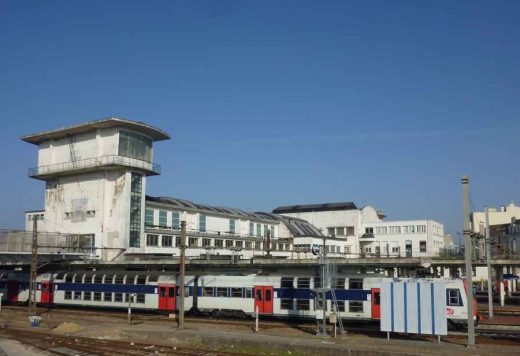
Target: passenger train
(279,295)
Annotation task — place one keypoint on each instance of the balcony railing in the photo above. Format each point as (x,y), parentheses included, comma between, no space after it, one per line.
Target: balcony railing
(82,164)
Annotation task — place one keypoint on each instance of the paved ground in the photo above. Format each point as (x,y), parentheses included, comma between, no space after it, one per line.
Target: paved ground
(14,348)
(241,339)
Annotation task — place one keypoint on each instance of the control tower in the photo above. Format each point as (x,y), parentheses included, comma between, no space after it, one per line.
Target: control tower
(95,180)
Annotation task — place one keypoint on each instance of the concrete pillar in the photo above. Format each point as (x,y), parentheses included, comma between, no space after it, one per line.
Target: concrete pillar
(509,287)
(481,284)
(514,285)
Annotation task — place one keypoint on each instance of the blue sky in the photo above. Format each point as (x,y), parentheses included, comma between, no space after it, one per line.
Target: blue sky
(272,103)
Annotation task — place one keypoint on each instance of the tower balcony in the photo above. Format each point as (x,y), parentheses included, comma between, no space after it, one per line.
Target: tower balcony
(93,164)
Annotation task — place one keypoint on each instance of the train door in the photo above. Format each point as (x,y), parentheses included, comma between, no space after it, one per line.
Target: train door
(47,293)
(264,299)
(376,303)
(166,297)
(13,288)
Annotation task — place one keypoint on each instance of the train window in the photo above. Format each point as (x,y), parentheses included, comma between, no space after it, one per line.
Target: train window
(162,292)
(268,295)
(98,278)
(88,278)
(259,295)
(222,292)
(302,304)
(109,278)
(59,276)
(69,278)
(236,292)
(207,291)
(127,297)
(355,307)
(153,278)
(120,278)
(304,282)
(341,305)
(339,283)
(77,295)
(171,292)
(140,298)
(68,294)
(130,279)
(141,280)
(355,283)
(249,293)
(107,297)
(286,304)
(97,296)
(87,295)
(118,297)
(453,297)
(287,282)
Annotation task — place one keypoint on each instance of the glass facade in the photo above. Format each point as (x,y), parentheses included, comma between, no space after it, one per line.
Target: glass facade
(136,191)
(135,146)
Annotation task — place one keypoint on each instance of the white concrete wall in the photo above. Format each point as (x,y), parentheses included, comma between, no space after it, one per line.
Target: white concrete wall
(500,216)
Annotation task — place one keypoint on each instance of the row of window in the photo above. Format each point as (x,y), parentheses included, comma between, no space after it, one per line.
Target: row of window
(396,249)
(233,292)
(408,229)
(304,304)
(175,223)
(341,231)
(140,298)
(305,282)
(107,279)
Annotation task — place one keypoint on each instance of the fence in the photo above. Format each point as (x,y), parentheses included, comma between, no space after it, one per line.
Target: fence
(19,241)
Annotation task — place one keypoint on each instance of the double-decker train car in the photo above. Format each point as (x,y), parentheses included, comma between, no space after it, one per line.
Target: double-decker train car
(280,295)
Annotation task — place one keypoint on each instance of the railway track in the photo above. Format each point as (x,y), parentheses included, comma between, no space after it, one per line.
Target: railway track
(82,346)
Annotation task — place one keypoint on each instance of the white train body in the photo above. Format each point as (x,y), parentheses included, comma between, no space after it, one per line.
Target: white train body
(287,296)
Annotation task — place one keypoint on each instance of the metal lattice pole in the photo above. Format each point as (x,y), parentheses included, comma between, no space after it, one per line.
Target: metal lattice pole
(34,267)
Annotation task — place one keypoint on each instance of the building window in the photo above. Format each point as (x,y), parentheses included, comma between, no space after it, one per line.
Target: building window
(266,231)
(229,243)
(251,229)
(395,249)
(355,307)
(239,244)
(162,218)
(304,282)
(395,229)
(249,245)
(259,230)
(232,223)
(286,304)
(355,283)
(219,243)
(193,242)
(340,231)
(422,246)
(166,240)
(135,210)
(347,249)
(331,231)
(206,242)
(368,249)
(302,304)
(258,245)
(134,145)
(178,241)
(369,230)
(152,240)
(202,223)
(350,230)
(148,217)
(421,229)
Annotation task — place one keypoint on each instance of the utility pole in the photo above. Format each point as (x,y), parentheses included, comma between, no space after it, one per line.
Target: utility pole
(182,269)
(468,254)
(34,267)
(323,294)
(488,262)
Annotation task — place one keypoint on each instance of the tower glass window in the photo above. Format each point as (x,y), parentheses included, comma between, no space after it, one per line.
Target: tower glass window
(251,229)
(135,209)
(135,146)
